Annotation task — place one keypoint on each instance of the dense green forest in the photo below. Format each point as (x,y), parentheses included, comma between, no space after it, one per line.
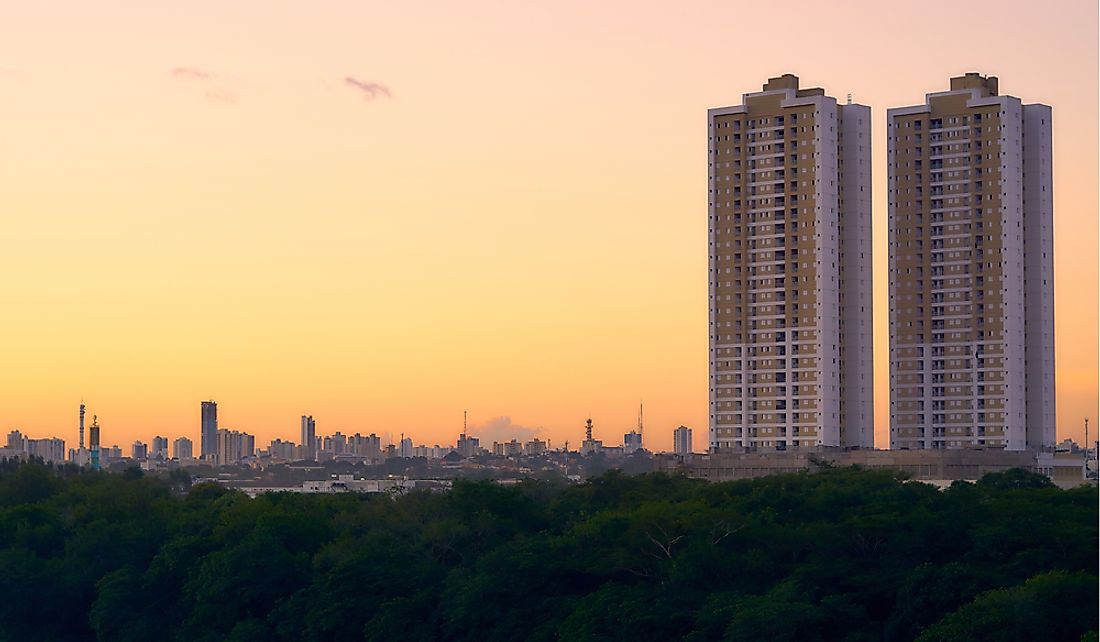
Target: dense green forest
(843,554)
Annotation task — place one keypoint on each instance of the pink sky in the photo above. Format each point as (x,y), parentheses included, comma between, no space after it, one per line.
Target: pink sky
(504,213)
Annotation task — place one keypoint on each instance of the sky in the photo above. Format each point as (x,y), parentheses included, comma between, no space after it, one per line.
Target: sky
(385,214)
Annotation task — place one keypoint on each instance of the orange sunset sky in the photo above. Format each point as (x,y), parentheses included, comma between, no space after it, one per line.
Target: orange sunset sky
(385,213)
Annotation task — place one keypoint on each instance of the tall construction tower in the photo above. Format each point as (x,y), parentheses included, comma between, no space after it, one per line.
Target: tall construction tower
(93,442)
(82,425)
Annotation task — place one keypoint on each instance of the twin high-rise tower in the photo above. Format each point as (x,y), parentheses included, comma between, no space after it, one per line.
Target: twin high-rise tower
(790,279)
(971,271)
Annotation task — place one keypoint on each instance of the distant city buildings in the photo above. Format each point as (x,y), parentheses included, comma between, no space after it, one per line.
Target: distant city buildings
(632,441)
(110,454)
(511,448)
(51,450)
(535,447)
(282,450)
(971,270)
(790,270)
(139,451)
(234,447)
(468,446)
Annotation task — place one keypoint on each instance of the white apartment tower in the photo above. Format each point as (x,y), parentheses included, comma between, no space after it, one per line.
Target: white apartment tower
(971,270)
(681,441)
(789,230)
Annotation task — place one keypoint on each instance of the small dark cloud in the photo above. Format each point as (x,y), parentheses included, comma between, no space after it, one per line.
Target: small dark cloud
(213,88)
(190,73)
(370,90)
(501,429)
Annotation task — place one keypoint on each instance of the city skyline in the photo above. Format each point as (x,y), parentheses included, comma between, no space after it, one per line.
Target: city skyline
(524,253)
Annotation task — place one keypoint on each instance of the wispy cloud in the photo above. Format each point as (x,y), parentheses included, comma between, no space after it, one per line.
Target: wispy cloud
(213,87)
(190,73)
(370,90)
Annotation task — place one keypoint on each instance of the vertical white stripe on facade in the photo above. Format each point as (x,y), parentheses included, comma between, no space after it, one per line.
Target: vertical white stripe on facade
(858,363)
(1012,258)
(1039,275)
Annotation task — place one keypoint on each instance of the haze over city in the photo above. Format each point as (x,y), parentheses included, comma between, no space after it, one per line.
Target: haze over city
(408,223)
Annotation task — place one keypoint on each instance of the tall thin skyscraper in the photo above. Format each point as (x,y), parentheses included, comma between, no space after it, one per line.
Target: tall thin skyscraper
(790,270)
(81,425)
(209,430)
(971,270)
(309,438)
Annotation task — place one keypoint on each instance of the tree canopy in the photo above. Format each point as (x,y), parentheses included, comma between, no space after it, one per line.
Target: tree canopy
(841,554)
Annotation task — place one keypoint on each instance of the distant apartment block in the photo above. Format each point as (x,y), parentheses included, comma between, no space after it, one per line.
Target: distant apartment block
(234,446)
(182,449)
(681,441)
(50,449)
(309,438)
(971,270)
(160,448)
(535,447)
(790,320)
(109,454)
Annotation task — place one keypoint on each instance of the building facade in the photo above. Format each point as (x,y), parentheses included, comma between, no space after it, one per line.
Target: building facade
(971,270)
(790,321)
